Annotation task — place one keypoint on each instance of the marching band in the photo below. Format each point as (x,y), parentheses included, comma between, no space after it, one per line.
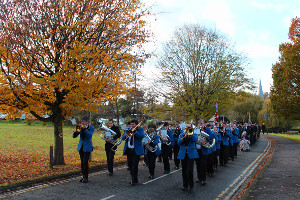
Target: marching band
(208,145)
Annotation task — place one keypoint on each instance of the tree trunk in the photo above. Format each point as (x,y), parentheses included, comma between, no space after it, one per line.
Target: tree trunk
(117,109)
(58,141)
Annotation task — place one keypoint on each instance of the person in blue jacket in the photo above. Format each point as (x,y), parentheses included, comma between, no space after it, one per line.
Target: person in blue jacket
(151,156)
(85,145)
(236,139)
(187,153)
(133,148)
(176,133)
(201,162)
(218,142)
(166,147)
(224,152)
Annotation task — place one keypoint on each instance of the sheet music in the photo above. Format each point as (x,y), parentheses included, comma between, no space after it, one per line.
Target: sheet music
(107,134)
(197,131)
(145,140)
(73,120)
(183,126)
(164,132)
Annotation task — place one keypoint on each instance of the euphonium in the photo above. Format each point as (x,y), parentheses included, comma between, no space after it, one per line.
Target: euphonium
(165,138)
(105,128)
(149,147)
(204,136)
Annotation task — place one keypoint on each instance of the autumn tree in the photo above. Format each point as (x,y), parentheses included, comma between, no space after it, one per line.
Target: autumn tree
(61,55)
(285,94)
(199,67)
(245,103)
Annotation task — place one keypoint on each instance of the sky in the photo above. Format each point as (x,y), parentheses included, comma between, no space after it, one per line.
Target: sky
(255,27)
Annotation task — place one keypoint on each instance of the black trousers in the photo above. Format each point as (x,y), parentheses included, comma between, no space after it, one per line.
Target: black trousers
(224,154)
(109,157)
(210,162)
(217,153)
(133,164)
(201,164)
(231,152)
(84,158)
(151,162)
(176,150)
(187,165)
(235,147)
(165,156)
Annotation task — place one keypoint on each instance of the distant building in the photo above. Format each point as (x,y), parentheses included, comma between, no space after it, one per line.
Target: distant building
(260,91)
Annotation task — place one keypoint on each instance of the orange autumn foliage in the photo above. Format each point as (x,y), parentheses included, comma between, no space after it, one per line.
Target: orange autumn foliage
(61,55)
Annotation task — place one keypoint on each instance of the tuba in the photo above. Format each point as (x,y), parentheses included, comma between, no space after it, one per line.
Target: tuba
(103,135)
(204,136)
(130,133)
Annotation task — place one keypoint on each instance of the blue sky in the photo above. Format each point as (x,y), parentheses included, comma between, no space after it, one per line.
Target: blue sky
(256,27)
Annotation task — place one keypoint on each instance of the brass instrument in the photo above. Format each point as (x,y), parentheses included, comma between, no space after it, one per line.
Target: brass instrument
(149,147)
(129,133)
(204,136)
(78,128)
(160,127)
(165,138)
(103,135)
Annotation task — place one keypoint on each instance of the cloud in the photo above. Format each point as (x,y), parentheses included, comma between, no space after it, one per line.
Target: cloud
(219,12)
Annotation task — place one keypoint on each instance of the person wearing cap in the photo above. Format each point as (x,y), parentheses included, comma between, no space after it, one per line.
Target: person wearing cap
(85,146)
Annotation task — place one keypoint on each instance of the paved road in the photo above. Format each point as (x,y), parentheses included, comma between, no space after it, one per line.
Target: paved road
(101,186)
(281,179)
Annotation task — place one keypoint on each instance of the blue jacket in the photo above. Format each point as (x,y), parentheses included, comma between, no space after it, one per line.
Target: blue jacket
(176,137)
(227,136)
(204,150)
(85,139)
(218,140)
(155,143)
(190,148)
(236,136)
(138,145)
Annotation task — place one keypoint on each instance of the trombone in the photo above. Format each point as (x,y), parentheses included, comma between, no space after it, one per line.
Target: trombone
(130,133)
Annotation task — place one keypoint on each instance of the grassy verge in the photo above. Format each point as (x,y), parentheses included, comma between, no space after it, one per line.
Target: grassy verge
(24,151)
(292,137)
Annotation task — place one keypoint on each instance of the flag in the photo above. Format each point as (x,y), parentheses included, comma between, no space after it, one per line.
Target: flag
(216,114)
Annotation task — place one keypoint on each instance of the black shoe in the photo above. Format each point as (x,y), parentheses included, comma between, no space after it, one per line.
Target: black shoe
(190,189)
(176,168)
(85,180)
(167,172)
(211,175)
(184,188)
(225,165)
(81,180)
(151,176)
(198,181)
(203,183)
(110,174)
(133,183)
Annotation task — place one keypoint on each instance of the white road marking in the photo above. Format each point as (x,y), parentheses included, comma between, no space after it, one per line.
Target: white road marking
(109,197)
(161,177)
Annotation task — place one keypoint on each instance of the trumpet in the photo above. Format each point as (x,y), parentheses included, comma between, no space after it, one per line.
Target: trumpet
(149,147)
(129,133)
(79,127)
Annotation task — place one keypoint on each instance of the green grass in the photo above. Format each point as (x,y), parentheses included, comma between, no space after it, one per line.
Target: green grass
(292,137)
(36,138)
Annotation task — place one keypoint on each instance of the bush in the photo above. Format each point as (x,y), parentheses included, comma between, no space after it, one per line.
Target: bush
(29,121)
